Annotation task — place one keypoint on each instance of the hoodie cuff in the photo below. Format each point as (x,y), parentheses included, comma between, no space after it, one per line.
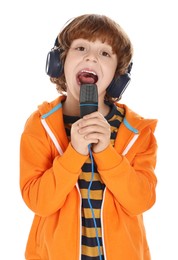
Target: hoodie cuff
(71,160)
(107,159)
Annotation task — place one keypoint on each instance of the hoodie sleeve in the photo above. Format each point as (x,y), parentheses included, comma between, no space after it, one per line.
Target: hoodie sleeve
(131,178)
(46,178)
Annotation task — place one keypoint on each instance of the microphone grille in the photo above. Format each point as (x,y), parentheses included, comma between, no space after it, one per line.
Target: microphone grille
(88,93)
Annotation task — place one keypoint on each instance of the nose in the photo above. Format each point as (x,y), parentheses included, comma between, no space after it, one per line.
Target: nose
(91,56)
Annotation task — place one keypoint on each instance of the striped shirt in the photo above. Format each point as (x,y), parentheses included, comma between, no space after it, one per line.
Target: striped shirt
(91,189)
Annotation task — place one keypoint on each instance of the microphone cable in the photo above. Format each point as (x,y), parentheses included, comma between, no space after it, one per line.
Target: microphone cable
(89,202)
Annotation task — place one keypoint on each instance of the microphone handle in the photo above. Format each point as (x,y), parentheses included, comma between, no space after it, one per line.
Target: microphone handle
(88,108)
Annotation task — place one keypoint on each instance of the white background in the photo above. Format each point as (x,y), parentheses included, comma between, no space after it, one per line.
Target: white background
(27,32)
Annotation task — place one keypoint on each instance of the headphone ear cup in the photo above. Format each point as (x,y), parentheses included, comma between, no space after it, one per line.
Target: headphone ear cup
(118,85)
(54,66)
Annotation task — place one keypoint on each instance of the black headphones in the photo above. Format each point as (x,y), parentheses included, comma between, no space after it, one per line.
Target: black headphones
(54,69)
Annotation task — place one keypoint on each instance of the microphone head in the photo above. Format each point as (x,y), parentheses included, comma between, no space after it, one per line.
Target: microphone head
(88,99)
(88,93)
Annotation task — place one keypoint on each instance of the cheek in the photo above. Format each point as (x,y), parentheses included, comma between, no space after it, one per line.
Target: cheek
(110,70)
(113,69)
(68,69)
(66,64)
(70,64)
(114,65)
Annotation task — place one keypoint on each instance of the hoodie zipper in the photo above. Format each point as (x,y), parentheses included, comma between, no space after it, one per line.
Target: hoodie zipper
(80,232)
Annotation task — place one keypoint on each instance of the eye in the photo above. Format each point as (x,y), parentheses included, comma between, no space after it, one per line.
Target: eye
(106,54)
(80,48)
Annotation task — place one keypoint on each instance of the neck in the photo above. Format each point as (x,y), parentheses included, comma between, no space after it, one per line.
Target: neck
(71,108)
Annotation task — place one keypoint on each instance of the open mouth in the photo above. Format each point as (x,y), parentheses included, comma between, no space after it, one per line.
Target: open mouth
(87,77)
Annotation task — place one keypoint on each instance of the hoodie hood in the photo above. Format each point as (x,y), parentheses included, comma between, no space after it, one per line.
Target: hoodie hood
(135,121)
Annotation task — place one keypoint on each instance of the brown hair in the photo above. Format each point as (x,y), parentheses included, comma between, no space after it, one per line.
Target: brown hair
(92,27)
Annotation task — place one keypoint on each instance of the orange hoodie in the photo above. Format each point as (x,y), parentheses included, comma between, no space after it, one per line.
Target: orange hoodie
(48,183)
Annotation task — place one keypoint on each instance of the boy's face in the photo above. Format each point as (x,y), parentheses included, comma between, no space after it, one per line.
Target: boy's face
(89,62)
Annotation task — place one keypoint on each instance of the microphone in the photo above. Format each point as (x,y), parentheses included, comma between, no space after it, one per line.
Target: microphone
(88,99)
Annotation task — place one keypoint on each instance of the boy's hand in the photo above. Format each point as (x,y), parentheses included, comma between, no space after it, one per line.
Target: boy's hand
(91,129)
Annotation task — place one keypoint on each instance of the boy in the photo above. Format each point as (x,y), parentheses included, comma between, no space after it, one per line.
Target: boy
(88,179)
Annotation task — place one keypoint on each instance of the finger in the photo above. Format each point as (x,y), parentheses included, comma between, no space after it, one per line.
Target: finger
(93,115)
(94,129)
(94,122)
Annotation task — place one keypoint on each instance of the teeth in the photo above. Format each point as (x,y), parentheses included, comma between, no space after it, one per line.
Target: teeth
(87,76)
(87,71)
